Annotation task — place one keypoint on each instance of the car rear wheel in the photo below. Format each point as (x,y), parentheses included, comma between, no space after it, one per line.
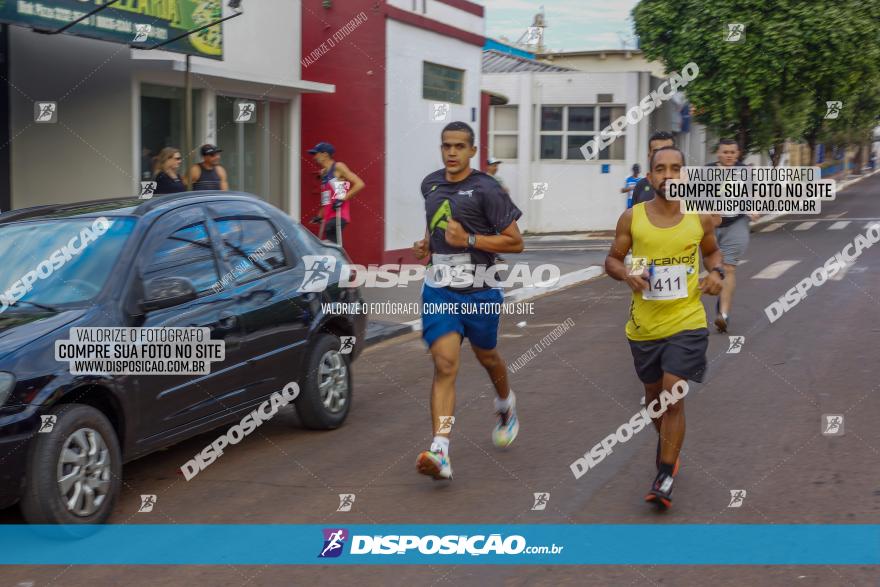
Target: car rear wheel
(74,471)
(325,399)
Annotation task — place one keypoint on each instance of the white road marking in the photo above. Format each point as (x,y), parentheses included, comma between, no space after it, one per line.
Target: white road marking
(859,219)
(566,248)
(841,273)
(839,225)
(776,269)
(832,216)
(805,225)
(539,289)
(774,226)
(848,268)
(564,237)
(872,223)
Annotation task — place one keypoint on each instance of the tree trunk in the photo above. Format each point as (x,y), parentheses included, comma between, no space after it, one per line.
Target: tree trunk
(778,148)
(742,135)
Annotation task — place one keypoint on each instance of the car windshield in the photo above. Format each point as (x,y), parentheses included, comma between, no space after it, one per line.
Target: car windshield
(63,261)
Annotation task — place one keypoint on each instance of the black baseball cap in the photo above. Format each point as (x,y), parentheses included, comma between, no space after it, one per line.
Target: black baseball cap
(210,149)
(322,148)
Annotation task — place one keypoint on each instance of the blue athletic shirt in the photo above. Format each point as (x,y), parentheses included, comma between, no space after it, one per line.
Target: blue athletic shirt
(630,181)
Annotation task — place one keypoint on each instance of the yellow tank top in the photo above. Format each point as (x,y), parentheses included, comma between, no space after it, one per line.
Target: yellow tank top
(676,249)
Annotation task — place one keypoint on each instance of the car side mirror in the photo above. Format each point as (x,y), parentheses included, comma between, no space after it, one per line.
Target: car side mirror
(165,292)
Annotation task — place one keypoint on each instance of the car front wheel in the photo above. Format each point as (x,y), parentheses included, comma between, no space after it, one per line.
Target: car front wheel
(74,470)
(325,398)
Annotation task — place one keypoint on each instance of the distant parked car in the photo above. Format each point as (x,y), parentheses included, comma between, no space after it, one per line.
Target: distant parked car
(173,261)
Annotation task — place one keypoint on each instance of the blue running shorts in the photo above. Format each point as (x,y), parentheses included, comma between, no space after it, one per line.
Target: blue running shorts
(474,315)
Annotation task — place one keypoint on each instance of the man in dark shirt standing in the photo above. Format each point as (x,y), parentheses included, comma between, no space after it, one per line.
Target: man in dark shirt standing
(469,218)
(209,174)
(643,192)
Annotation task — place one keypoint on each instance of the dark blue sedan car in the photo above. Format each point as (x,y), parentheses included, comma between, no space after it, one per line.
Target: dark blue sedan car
(227,263)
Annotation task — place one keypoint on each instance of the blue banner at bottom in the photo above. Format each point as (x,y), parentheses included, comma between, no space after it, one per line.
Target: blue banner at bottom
(600,544)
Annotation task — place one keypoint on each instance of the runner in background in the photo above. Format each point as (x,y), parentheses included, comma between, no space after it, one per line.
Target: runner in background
(630,184)
(733,237)
(339,185)
(643,192)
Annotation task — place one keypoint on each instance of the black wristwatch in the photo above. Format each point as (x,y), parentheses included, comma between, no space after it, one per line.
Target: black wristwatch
(472,241)
(720,271)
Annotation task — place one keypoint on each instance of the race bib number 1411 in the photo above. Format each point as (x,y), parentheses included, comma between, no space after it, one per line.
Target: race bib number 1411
(668,282)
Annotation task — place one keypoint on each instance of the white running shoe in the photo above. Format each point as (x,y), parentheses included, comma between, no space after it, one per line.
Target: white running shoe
(507,428)
(434,463)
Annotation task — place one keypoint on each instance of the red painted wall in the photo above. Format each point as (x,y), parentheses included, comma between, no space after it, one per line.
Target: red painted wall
(352,119)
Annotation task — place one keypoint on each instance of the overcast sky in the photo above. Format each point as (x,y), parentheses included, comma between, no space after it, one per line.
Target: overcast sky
(571,24)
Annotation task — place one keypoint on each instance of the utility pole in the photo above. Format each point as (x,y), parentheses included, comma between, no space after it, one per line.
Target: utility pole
(188,117)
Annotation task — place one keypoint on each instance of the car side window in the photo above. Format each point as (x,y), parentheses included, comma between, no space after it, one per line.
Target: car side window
(185,253)
(251,246)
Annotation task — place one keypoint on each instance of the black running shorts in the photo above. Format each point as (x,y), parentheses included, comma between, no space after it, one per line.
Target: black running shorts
(683,354)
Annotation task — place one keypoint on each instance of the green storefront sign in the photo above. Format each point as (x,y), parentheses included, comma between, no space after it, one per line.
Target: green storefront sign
(124,22)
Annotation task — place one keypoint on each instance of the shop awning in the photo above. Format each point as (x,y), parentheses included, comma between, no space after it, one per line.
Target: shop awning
(273,86)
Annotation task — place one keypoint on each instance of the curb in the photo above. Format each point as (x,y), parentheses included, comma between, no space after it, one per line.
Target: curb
(383,331)
(379,331)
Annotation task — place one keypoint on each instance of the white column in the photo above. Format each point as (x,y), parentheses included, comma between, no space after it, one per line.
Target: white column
(525,142)
(206,124)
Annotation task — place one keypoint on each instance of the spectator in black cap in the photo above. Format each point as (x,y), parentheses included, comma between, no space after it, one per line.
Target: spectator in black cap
(209,174)
(339,185)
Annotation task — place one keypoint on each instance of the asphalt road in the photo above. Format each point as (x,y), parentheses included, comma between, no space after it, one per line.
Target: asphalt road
(755,425)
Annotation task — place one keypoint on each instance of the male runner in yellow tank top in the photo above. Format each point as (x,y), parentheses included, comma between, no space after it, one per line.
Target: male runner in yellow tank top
(667,329)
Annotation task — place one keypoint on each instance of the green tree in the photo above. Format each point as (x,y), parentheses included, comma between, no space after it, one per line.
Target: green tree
(847,69)
(768,87)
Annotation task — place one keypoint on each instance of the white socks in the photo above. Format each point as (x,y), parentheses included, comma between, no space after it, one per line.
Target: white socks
(441,442)
(502,405)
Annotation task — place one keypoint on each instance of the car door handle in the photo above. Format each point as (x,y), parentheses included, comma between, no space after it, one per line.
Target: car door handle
(228,321)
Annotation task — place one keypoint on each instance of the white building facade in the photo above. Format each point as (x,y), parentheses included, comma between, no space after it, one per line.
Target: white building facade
(117,106)
(445,43)
(539,133)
